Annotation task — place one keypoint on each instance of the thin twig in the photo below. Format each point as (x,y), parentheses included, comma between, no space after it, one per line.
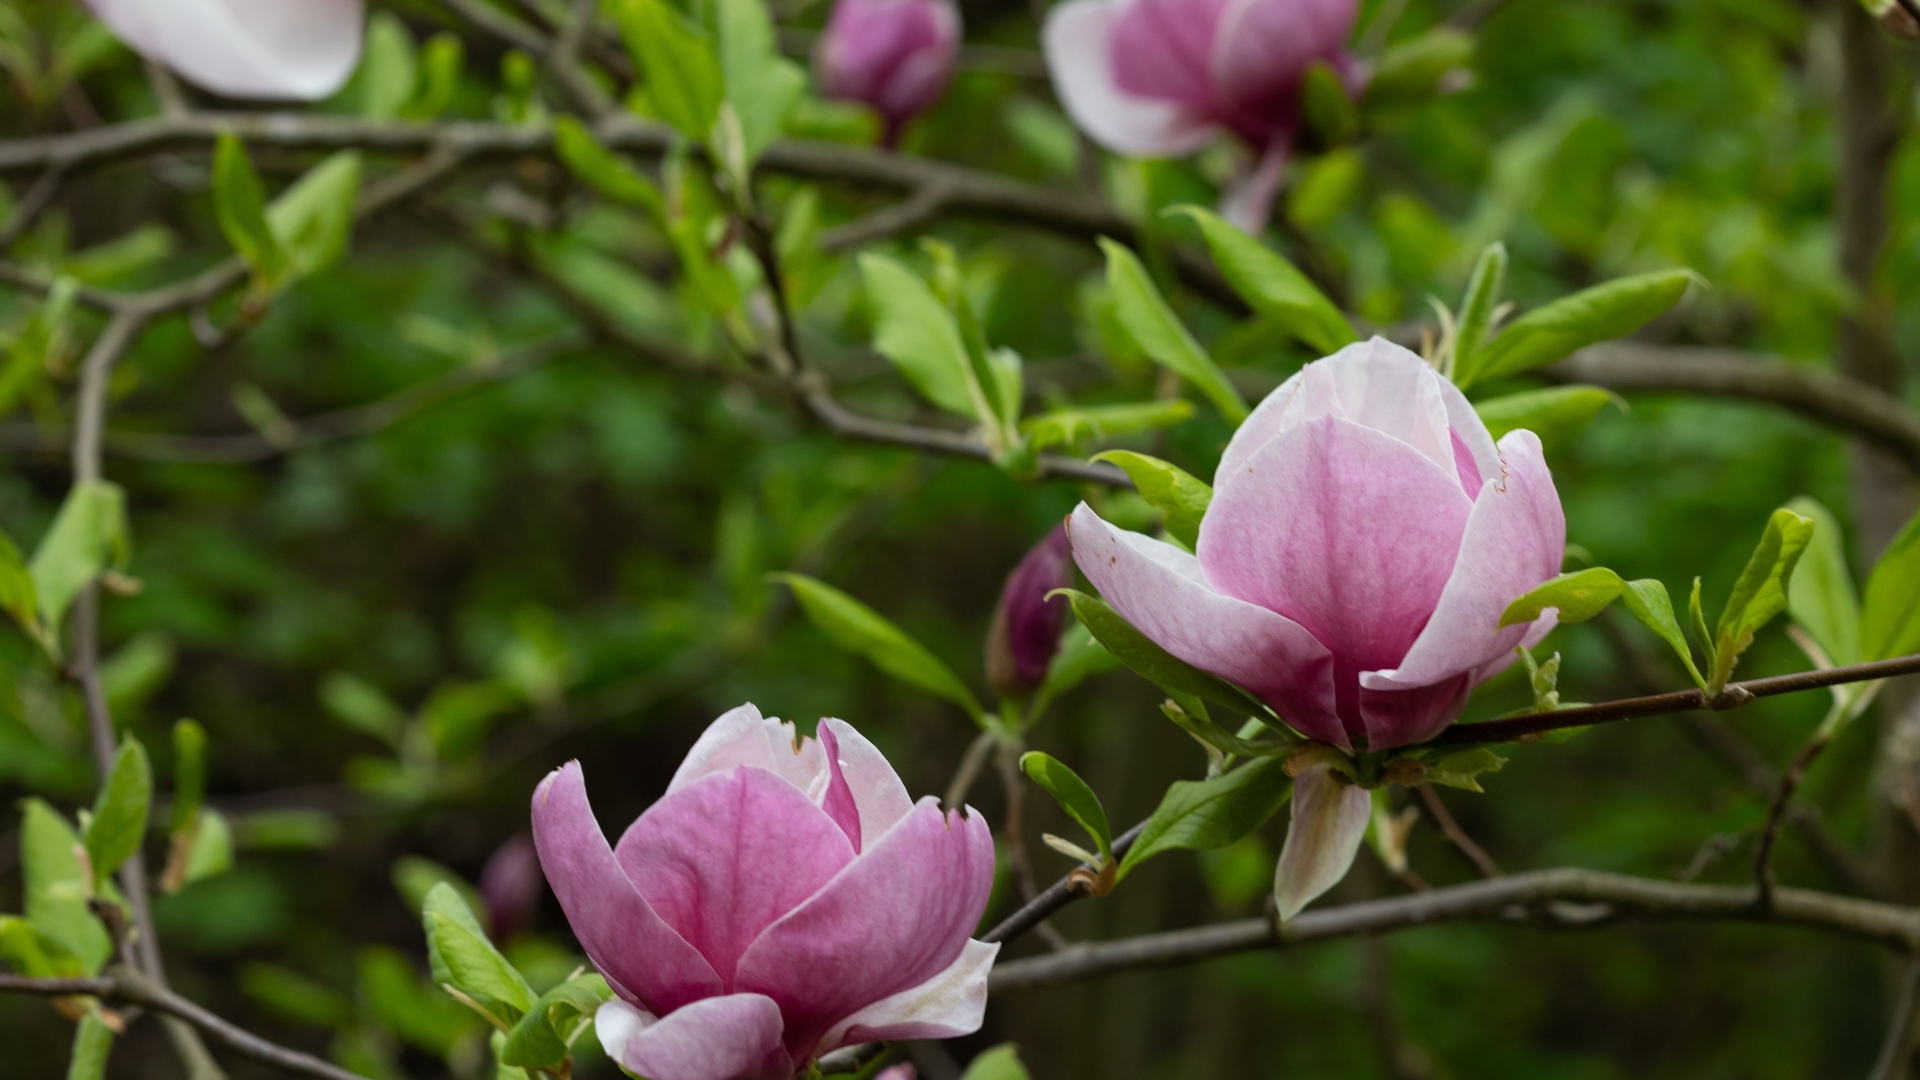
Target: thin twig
(917,209)
(969,770)
(1903,1028)
(27,210)
(1455,835)
(1763,873)
(1057,895)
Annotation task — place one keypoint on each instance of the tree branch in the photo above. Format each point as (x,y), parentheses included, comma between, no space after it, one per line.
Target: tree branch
(1560,898)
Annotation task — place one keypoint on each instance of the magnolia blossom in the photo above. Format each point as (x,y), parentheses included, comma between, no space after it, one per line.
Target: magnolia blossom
(268,49)
(1025,633)
(783,899)
(1365,536)
(895,55)
(1159,78)
(510,886)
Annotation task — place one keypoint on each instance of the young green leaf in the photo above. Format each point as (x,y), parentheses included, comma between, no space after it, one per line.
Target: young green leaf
(1073,795)
(1648,601)
(463,959)
(761,85)
(18,594)
(1821,597)
(1160,333)
(603,170)
(1554,331)
(544,1036)
(1159,666)
(1461,770)
(1579,596)
(1324,101)
(1000,1063)
(1191,717)
(1271,285)
(1205,815)
(1409,72)
(439,80)
(1761,592)
(30,954)
(1890,615)
(857,628)
(313,219)
(88,535)
(57,886)
(912,328)
(1097,422)
(678,61)
(1697,622)
(1556,413)
(1476,313)
(361,705)
(189,773)
(388,67)
(92,1043)
(120,811)
(1181,499)
(239,204)
(211,851)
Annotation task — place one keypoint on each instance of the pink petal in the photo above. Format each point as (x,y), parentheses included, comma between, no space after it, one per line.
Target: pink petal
(949,1005)
(1404,717)
(1329,821)
(1248,201)
(1078,40)
(1162,592)
(1373,383)
(723,858)
(266,49)
(1348,532)
(877,790)
(623,936)
(736,1037)
(1465,467)
(1515,539)
(1469,431)
(1160,49)
(838,799)
(896,917)
(743,737)
(1264,46)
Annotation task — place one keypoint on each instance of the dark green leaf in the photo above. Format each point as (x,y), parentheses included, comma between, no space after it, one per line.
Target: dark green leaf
(92,1043)
(1191,717)
(19,595)
(1647,599)
(240,205)
(1181,499)
(1210,814)
(1271,285)
(603,170)
(857,628)
(1890,615)
(1329,111)
(1073,795)
(1821,596)
(89,534)
(678,61)
(1143,655)
(1602,313)
(360,705)
(1476,312)
(1761,592)
(120,811)
(1160,333)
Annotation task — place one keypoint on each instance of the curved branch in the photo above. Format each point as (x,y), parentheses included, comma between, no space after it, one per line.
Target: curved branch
(1570,898)
(1830,398)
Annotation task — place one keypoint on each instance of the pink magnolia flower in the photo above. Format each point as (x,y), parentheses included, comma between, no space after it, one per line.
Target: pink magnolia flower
(1365,536)
(783,899)
(1159,78)
(895,55)
(510,885)
(1025,633)
(267,49)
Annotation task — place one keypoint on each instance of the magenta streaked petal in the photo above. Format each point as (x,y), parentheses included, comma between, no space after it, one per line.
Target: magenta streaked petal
(736,1037)
(624,937)
(270,50)
(1465,425)
(877,791)
(1329,821)
(1160,50)
(723,858)
(1162,592)
(837,801)
(1465,466)
(894,918)
(1264,46)
(947,1006)
(1405,717)
(1078,41)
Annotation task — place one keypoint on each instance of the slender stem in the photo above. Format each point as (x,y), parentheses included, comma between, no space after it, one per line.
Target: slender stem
(1056,896)
(1763,874)
(969,770)
(1903,1028)
(1457,836)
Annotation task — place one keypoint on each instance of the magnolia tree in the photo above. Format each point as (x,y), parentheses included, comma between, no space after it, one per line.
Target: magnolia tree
(1302,479)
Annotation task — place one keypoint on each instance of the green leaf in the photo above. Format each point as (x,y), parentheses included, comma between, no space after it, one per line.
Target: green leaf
(1329,111)
(857,628)
(388,67)
(603,170)
(1000,1063)
(313,219)
(457,714)
(1761,592)
(1890,615)
(1410,71)
(1160,333)
(761,84)
(1554,331)
(239,204)
(464,959)
(92,1043)
(1697,620)
(1191,717)
(57,887)
(120,812)
(1073,795)
(360,705)
(1579,596)
(211,853)
(414,877)
(1143,655)
(1476,312)
(18,594)
(1097,422)
(1181,499)
(1206,815)
(392,993)
(1647,599)
(1079,657)
(440,76)
(294,995)
(678,61)
(1461,770)
(1271,285)
(1821,595)
(545,1035)
(189,773)
(89,533)
(912,328)
(1555,414)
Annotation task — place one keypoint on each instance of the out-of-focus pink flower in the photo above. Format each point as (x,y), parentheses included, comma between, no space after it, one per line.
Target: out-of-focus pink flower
(1025,633)
(272,50)
(895,55)
(1365,536)
(783,899)
(510,885)
(1158,78)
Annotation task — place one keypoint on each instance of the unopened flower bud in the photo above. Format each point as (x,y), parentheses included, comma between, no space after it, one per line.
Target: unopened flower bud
(510,884)
(895,55)
(1025,633)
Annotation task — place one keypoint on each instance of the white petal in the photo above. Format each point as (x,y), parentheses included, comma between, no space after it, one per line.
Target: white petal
(946,1006)
(738,737)
(877,791)
(267,49)
(1329,821)
(1077,40)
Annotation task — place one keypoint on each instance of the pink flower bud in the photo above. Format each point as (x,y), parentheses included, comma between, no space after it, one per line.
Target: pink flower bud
(510,884)
(895,55)
(268,49)
(784,898)
(1365,536)
(1026,625)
